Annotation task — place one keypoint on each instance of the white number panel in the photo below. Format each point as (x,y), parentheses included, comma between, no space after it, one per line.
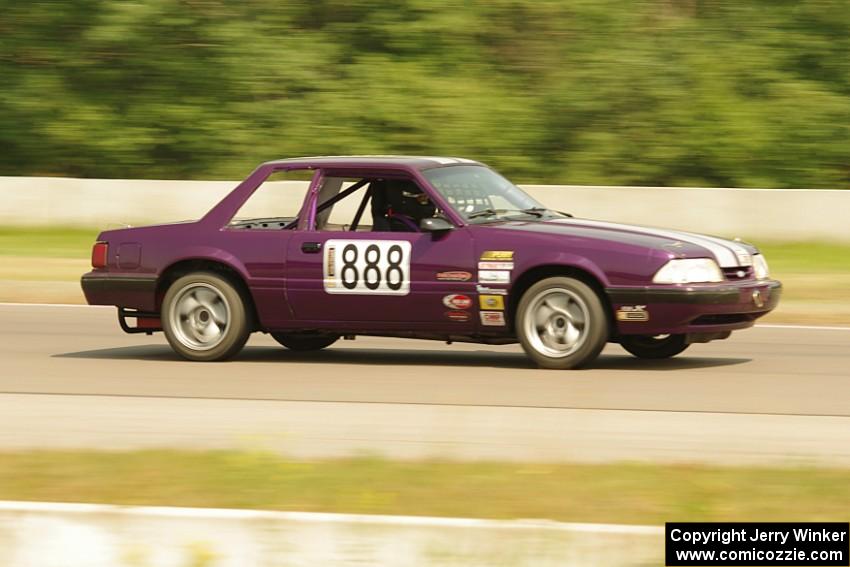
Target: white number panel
(367,267)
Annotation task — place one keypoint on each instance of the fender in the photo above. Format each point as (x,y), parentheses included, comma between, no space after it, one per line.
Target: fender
(207,253)
(565,259)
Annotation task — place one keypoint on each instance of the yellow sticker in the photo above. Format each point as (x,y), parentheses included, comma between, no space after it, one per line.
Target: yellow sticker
(496,302)
(632,313)
(497,255)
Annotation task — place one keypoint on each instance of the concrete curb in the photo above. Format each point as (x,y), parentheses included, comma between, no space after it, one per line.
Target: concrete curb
(35,534)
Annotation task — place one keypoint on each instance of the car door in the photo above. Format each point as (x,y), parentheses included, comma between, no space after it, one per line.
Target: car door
(382,280)
(379,280)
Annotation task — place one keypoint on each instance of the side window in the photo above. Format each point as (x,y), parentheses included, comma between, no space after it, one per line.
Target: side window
(342,214)
(276,203)
(395,204)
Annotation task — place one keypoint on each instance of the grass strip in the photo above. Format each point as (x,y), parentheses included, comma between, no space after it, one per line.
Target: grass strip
(806,257)
(617,493)
(47,243)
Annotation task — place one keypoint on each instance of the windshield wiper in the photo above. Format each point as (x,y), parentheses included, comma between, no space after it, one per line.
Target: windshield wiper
(541,210)
(493,212)
(483,213)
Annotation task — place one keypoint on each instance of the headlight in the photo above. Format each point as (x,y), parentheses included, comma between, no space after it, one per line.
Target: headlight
(760,267)
(689,270)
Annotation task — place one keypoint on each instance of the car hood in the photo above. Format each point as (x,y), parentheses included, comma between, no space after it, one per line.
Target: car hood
(728,253)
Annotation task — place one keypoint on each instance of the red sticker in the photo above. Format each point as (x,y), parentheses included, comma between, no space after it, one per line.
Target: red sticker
(458,315)
(454,276)
(457,301)
(492,318)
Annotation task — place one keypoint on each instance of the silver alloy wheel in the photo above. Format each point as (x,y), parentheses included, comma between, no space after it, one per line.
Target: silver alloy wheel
(557,322)
(199,316)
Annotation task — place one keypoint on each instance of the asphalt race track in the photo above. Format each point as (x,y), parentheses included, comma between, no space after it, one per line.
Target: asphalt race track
(71,378)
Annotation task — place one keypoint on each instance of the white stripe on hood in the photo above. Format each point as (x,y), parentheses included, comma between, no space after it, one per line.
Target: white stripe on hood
(727,253)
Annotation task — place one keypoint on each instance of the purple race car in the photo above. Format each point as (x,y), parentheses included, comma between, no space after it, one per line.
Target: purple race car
(421,247)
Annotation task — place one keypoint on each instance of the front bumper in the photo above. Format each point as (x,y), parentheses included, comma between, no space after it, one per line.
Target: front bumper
(134,291)
(692,309)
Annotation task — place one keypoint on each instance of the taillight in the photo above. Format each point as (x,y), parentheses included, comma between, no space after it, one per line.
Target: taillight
(98,254)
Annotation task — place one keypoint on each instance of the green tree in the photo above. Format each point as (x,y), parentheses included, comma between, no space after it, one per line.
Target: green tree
(652,92)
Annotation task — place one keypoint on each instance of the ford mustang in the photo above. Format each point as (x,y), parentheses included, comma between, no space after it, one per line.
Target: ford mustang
(421,247)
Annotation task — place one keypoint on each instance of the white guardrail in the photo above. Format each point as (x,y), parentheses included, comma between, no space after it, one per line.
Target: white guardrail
(758,214)
(34,534)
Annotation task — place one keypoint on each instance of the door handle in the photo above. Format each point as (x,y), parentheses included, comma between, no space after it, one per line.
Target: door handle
(311,247)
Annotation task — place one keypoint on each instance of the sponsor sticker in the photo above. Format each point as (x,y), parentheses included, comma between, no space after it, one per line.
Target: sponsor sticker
(454,276)
(495,265)
(491,290)
(457,301)
(497,256)
(458,315)
(495,302)
(632,313)
(492,318)
(494,276)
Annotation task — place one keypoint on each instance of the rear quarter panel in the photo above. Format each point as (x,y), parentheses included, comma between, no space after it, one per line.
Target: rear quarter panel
(257,256)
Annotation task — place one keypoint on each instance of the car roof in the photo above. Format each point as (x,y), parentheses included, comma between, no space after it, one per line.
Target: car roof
(413,162)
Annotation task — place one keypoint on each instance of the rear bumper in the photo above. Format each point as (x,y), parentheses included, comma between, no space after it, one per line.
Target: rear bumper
(136,291)
(693,309)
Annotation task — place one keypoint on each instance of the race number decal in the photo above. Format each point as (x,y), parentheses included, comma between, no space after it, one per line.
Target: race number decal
(376,267)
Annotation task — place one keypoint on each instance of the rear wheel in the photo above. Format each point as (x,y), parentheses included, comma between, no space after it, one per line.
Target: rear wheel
(654,346)
(561,323)
(305,341)
(204,317)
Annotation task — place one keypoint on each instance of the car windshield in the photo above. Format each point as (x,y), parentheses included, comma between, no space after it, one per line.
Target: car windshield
(481,195)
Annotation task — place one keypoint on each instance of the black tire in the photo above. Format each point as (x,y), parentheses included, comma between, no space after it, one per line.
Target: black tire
(654,347)
(304,342)
(561,323)
(205,318)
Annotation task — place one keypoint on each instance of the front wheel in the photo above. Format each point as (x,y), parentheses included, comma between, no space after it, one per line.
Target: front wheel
(561,323)
(204,317)
(654,346)
(304,342)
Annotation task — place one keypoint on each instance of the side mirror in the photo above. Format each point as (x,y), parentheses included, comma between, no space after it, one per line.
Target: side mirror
(435,224)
